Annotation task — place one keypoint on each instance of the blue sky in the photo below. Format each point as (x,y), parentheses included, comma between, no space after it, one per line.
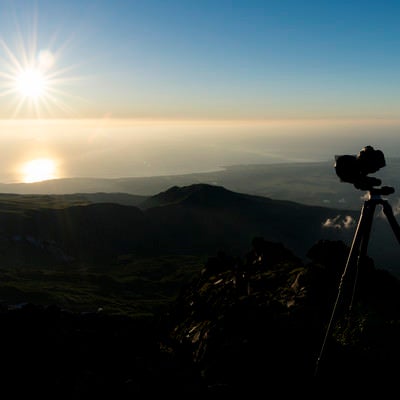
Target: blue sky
(185,59)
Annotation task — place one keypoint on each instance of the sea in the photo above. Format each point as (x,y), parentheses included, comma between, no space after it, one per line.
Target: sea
(108,148)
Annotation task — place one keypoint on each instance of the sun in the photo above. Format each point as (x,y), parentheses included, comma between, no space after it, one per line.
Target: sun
(31,83)
(38,170)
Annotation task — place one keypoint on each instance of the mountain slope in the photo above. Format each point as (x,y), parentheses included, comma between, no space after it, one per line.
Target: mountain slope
(202,215)
(197,219)
(194,219)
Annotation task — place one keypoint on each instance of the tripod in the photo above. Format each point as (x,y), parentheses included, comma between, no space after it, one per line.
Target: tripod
(358,250)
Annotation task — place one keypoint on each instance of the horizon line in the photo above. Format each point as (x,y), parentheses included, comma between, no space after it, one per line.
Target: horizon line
(160,120)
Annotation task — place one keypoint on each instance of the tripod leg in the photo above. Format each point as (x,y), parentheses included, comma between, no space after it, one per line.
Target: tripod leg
(387,209)
(361,237)
(364,224)
(370,206)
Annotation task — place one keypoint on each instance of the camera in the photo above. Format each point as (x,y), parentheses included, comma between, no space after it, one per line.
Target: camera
(355,168)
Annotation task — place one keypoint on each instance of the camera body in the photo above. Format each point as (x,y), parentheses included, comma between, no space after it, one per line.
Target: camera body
(355,168)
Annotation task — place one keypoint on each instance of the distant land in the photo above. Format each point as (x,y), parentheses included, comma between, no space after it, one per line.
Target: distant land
(311,183)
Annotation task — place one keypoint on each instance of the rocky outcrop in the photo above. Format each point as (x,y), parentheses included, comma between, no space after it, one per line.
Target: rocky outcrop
(251,323)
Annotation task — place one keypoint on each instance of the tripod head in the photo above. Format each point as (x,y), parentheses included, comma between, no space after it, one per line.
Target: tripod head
(383,191)
(355,169)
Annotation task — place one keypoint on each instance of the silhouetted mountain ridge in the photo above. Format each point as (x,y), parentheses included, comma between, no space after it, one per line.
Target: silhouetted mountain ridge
(204,195)
(201,215)
(194,219)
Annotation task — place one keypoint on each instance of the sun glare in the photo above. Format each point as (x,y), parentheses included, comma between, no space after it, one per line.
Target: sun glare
(38,170)
(33,79)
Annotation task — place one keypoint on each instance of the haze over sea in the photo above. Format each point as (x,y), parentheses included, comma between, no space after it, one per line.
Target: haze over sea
(114,148)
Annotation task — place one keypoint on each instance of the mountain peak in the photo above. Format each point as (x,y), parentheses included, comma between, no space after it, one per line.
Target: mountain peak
(200,194)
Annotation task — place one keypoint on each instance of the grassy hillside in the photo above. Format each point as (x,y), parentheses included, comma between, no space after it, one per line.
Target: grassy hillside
(132,286)
(13,202)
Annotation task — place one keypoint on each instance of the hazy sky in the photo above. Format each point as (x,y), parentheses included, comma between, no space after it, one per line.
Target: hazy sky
(206,59)
(309,78)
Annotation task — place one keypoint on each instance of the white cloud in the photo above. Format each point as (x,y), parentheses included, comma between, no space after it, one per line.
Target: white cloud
(348,222)
(339,222)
